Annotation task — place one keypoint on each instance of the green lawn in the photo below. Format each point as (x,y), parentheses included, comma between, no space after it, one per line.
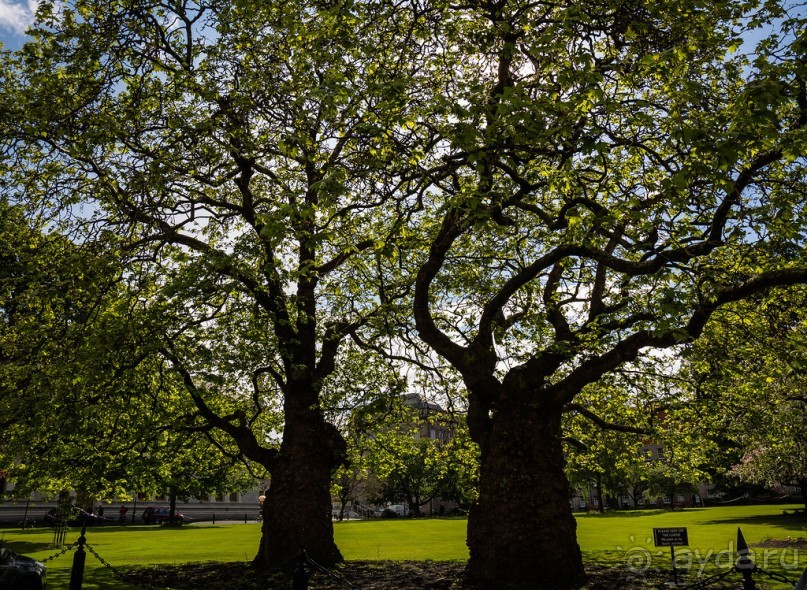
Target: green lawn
(615,538)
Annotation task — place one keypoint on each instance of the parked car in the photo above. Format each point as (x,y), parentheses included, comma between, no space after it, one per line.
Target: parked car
(153,515)
(18,572)
(84,518)
(52,518)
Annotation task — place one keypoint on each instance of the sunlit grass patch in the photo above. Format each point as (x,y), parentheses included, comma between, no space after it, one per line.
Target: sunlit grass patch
(622,539)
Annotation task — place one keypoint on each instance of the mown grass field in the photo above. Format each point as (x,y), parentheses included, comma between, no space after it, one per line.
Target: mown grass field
(610,539)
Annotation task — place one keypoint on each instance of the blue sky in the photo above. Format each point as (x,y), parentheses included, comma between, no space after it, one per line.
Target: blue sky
(15,16)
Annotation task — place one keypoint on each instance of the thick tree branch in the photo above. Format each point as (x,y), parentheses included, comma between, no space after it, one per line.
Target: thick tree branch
(241,434)
(554,312)
(451,228)
(603,424)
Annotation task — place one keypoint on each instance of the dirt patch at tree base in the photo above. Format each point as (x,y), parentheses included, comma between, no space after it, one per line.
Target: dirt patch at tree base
(364,575)
(789,543)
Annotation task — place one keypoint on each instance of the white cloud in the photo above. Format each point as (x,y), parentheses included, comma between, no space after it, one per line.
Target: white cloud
(17,17)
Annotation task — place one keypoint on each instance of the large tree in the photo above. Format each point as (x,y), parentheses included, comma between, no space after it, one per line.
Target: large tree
(248,156)
(85,406)
(420,454)
(604,432)
(613,173)
(748,377)
(50,291)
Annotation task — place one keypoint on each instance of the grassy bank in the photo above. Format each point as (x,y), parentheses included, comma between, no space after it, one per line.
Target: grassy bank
(610,539)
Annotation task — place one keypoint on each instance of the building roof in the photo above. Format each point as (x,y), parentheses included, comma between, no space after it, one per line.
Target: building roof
(415,400)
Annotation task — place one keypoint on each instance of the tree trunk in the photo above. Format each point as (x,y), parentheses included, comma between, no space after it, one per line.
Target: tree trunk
(414,508)
(600,504)
(297,512)
(521,531)
(172,505)
(342,507)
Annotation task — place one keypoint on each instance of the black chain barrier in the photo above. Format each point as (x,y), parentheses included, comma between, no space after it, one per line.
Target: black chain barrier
(118,575)
(304,560)
(60,553)
(746,568)
(748,581)
(77,571)
(775,576)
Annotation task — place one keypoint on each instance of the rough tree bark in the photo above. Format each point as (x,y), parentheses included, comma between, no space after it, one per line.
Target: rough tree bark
(297,509)
(523,490)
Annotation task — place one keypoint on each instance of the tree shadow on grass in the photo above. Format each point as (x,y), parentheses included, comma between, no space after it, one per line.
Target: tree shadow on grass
(94,579)
(789,522)
(72,534)
(622,513)
(28,547)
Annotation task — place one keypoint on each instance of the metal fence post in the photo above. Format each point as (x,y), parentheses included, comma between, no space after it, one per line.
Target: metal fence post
(299,580)
(77,573)
(745,565)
